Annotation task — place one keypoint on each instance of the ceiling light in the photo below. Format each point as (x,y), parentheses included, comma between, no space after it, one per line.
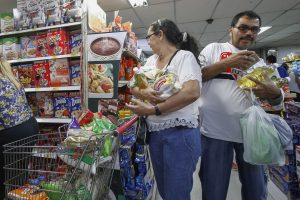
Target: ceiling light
(138,3)
(263,29)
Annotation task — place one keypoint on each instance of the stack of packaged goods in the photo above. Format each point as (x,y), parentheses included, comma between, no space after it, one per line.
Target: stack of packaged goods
(136,175)
(287,176)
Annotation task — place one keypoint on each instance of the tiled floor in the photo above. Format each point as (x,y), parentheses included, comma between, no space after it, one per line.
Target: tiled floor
(234,189)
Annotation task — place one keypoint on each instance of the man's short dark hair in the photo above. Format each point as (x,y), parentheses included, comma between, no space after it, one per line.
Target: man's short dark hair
(248,13)
(271,59)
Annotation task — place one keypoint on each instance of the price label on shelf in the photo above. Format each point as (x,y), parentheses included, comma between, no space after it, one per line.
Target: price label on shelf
(56,88)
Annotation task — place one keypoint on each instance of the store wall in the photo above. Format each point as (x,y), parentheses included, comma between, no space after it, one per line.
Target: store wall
(283,51)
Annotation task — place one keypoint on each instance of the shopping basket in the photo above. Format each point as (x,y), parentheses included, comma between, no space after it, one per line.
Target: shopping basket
(42,167)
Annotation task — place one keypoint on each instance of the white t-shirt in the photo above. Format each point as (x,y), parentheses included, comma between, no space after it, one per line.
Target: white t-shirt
(222,101)
(292,84)
(185,66)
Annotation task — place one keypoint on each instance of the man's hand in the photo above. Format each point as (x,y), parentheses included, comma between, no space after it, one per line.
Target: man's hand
(242,60)
(266,89)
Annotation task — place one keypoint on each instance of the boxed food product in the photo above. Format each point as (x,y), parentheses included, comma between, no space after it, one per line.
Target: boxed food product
(25,74)
(41,45)
(71,10)
(75,42)
(45,104)
(53,12)
(36,12)
(75,72)
(32,101)
(7,22)
(11,48)
(58,42)
(59,72)
(28,47)
(41,74)
(61,105)
(75,104)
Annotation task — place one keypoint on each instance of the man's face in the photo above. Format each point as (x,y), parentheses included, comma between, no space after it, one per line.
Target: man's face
(244,33)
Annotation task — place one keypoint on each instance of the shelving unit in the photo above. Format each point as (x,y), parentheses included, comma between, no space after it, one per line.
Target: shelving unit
(53,120)
(43,58)
(53,89)
(24,32)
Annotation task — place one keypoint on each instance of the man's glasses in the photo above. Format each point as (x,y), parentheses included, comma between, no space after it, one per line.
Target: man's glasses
(148,36)
(245,29)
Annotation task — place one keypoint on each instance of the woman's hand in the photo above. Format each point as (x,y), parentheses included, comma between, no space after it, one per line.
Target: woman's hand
(141,108)
(148,94)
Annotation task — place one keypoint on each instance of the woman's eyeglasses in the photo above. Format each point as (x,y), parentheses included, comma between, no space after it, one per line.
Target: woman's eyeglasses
(245,29)
(148,36)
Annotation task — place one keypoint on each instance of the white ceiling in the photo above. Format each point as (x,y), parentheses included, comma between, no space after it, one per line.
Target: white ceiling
(191,16)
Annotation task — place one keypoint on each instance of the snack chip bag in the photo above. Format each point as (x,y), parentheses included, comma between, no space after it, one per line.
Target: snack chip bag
(167,84)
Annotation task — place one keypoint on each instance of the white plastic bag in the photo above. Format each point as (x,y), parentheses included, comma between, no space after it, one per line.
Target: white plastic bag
(285,133)
(260,137)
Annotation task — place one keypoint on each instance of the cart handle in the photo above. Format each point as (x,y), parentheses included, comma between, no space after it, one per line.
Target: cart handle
(121,129)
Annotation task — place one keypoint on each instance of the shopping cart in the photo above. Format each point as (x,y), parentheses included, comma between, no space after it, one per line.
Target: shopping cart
(43,167)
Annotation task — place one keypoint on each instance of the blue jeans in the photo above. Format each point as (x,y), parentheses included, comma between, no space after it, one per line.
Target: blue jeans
(215,169)
(174,154)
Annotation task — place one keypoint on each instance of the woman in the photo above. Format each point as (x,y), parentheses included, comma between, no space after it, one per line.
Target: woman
(174,140)
(16,118)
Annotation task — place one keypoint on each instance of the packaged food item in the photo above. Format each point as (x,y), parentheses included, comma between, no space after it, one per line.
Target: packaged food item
(75,42)
(36,12)
(45,104)
(127,26)
(75,72)
(258,73)
(11,48)
(32,101)
(7,22)
(86,117)
(28,47)
(21,17)
(59,72)
(61,105)
(53,12)
(96,17)
(58,42)
(41,45)
(27,192)
(129,69)
(71,10)
(41,74)
(139,79)
(167,84)
(25,75)
(75,104)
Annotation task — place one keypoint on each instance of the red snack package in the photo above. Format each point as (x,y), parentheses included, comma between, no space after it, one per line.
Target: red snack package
(86,117)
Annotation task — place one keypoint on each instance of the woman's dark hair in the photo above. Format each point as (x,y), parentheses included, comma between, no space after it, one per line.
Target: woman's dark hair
(248,13)
(182,40)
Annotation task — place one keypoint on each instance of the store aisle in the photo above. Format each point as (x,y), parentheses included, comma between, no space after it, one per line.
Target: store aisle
(234,188)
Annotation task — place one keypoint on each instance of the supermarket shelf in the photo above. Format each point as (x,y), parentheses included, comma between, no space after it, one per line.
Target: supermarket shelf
(53,120)
(100,95)
(130,54)
(43,58)
(49,89)
(40,29)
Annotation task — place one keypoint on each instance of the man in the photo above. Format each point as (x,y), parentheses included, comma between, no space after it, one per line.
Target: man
(222,105)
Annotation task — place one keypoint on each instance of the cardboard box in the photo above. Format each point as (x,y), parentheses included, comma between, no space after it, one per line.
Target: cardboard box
(59,72)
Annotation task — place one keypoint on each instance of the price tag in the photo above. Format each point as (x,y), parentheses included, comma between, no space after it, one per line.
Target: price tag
(56,88)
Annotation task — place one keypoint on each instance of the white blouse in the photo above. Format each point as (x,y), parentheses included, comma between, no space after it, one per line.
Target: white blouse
(185,66)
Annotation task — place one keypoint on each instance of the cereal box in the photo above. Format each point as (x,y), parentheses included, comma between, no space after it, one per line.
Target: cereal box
(41,74)
(7,22)
(32,101)
(41,45)
(11,48)
(75,104)
(53,12)
(45,104)
(25,74)
(28,47)
(75,42)
(75,72)
(59,72)
(36,13)
(61,105)
(58,42)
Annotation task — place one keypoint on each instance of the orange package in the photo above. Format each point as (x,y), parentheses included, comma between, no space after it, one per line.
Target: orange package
(27,192)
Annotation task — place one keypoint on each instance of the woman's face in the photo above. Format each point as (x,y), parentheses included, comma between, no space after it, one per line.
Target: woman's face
(153,39)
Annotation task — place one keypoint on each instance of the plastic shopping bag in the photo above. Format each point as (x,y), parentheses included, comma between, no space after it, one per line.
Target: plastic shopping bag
(260,137)
(285,133)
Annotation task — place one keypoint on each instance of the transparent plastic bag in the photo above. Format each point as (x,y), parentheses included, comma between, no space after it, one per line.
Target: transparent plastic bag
(260,137)
(285,133)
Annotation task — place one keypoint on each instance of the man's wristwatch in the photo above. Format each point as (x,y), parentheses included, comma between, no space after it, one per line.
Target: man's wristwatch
(157,111)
